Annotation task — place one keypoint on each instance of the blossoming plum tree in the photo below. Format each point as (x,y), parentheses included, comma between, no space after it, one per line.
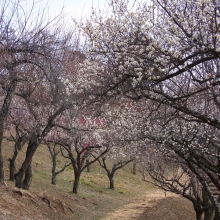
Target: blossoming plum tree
(167,52)
(29,46)
(79,136)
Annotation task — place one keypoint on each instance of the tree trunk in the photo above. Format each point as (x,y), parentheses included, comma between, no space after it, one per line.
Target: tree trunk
(88,165)
(28,177)
(54,161)
(217,216)
(76,182)
(111,180)
(1,170)
(198,210)
(2,176)
(3,116)
(209,212)
(11,169)
(134,166)
(32,147)
(53,180)
(12,165)
(198,215)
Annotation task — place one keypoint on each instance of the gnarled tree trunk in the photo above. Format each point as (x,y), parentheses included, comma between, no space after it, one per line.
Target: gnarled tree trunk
(28,177)
(111,180)
(26,166)
(3,116)
(87,164)
(12,167)
(209,211)
(54,162)
(76,182)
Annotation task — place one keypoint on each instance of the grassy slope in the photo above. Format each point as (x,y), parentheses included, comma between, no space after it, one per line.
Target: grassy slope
(94,201)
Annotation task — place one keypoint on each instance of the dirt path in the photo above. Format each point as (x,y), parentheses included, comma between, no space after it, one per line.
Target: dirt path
(155,206)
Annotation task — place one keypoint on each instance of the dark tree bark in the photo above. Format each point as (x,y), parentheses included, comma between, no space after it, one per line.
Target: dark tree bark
(53,178)
(115,167)
(111,180)
(12,167)
(79,161)
(3,116)
(76,182)
(198,214)
(53,154)
(20,140)
(76,163)
(209,211)
(33,144)
(32,147)
(2,176)
(28,177)
(135,166)
(204,184)
(88,165)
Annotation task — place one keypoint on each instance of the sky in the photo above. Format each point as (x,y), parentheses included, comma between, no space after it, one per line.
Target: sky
(74,8)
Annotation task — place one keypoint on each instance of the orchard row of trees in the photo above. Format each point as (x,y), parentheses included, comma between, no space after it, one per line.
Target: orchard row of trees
(165,56)
(42,100)
(145,85)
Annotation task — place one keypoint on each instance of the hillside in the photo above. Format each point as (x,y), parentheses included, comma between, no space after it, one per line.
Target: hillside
(132,198)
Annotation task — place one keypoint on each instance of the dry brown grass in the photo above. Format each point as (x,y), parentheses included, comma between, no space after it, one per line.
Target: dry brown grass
(132,198)
(155,206)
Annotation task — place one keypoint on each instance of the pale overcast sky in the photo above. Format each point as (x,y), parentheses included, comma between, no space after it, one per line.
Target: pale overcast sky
(74,8)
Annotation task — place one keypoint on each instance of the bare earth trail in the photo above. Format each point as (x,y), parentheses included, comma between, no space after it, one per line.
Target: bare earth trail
(155,206)
(29,205)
